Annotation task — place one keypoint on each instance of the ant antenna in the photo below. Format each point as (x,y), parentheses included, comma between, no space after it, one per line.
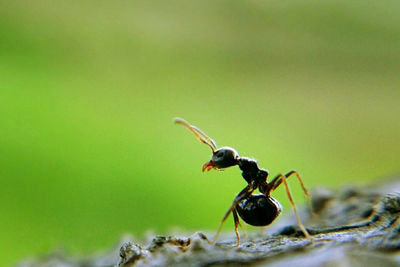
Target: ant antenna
(205,139)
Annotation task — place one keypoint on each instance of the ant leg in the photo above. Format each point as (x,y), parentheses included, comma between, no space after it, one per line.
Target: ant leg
(237,223)
(261,230)
(245,192)
(243,229)
(243,226)
(277,181)
(302,228)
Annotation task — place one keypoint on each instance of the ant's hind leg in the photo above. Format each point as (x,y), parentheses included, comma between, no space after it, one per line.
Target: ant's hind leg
(278,180)
(261,230)
(283,179)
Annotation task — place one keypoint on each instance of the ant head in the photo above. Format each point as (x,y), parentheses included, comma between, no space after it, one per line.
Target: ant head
(223,157)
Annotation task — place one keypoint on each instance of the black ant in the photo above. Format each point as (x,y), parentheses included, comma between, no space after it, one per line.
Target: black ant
(257,210)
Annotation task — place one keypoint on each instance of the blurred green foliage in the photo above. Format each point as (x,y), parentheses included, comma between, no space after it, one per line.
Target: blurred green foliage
(88,90)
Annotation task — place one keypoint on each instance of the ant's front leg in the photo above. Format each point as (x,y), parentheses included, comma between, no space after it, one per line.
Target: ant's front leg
(247,191)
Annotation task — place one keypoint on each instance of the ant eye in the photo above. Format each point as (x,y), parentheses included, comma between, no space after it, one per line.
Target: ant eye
(220,154)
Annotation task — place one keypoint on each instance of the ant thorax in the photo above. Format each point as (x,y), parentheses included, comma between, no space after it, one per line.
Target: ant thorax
(251,172)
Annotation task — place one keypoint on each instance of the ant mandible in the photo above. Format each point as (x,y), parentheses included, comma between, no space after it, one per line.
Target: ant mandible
(257,210)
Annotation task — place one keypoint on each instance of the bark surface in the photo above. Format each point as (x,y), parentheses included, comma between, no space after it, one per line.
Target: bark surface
(354,226)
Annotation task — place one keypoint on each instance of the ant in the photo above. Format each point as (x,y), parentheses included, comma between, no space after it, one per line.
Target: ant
(258,209)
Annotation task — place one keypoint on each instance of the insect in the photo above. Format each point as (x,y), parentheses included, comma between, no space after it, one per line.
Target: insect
(255,209)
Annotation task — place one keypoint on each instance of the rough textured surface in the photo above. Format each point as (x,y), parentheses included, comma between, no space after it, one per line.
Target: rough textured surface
(354,227)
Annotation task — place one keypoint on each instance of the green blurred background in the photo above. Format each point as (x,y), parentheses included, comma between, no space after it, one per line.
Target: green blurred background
(88,90)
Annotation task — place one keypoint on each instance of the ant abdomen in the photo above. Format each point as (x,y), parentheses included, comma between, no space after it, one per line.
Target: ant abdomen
(258,210)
